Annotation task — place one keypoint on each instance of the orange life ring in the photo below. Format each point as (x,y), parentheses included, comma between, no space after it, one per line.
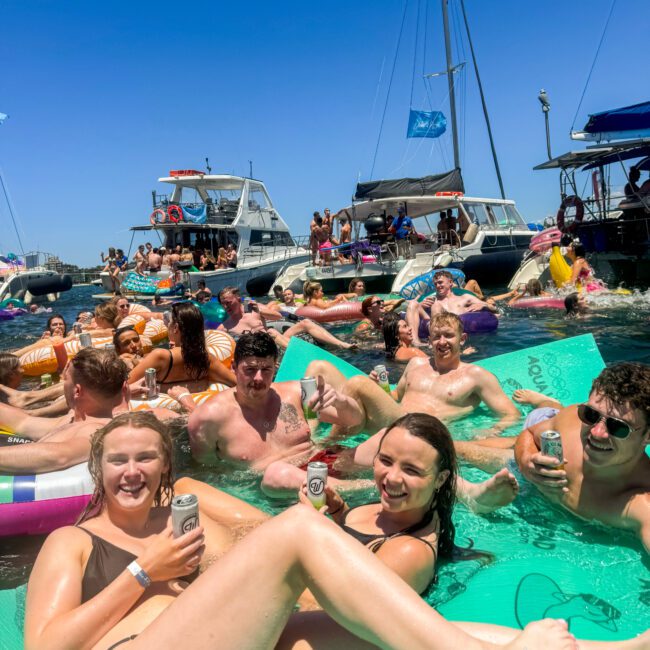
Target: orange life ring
(175,213)
(161,219)
(571,201)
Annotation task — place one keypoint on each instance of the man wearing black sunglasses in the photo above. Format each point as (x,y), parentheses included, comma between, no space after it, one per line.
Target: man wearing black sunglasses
(606,474)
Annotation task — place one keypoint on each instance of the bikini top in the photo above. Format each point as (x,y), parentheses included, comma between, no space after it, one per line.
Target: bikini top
(169,367)
(105,563)
(375,541)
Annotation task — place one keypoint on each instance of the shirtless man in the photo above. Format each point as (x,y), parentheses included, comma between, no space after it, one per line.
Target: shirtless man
(154,259)
(443,386)
(239,321)
(447,301)
(344,238)
(128,346)
(140,260)
(261,424)
(93,384)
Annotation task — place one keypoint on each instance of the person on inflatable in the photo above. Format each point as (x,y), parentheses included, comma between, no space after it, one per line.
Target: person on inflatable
(447,301)
(128,346)
(582,275)
(129,524)
(315,296)
(532,289)
(11,375)
(56,326)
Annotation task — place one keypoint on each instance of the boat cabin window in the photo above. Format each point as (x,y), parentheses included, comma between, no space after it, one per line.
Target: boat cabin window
(257,200)
(514,218)
(478,214)
(270,238)
(201,239)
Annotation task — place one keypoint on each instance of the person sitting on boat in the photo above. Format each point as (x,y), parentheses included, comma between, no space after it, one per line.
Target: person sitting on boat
(239,321)
(315,296)
(398,339)
(126,598)
(402,227)
(121,260)
(208,263)
(93,385)
(56,326)
(631,188)
(582,275)
(231,254)
(188,362)
(222,259)
(452,224)
(140,260)
(443,228)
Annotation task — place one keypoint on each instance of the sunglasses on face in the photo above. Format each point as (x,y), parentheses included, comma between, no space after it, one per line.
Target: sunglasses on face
(591,417)
(377,303)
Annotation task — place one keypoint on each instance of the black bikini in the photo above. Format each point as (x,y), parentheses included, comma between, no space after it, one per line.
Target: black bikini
(169,367)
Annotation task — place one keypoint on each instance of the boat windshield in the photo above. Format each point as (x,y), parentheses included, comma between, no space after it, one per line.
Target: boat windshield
(494,215)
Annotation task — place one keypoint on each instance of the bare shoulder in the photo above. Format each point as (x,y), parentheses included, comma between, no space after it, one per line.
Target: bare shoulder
(411,548)
(216,409)
(67,540)
(416,363)
(287,389)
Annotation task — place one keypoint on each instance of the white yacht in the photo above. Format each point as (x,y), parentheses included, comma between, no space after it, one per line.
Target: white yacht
(29,281)
(208,211)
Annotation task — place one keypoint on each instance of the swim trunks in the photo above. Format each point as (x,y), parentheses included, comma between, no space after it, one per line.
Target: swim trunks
(539,415)
(329,457)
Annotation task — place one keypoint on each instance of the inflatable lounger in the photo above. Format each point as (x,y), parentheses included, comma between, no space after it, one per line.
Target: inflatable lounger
(423,284)
(561,369)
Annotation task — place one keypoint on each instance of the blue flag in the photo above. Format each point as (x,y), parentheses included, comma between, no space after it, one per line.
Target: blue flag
(426,124)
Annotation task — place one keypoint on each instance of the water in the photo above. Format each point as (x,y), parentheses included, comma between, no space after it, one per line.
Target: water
(546,561)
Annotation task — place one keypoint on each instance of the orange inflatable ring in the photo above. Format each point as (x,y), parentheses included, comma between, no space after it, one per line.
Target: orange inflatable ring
(571,201)
(167,402)
(157,216)
(135,308)
(155,330)
(342,311)
(175,213)
(220,345)
(137,322)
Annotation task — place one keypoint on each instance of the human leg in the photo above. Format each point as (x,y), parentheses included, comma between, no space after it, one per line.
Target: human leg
(490,455)
(414,313)
(317,332)
(301,549)
(26,398)
(535,399)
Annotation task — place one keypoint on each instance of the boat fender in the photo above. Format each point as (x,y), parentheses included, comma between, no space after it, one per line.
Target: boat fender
(444,260)
(175,213)
(568,202)
(157,216)
(470,234)
(49,284)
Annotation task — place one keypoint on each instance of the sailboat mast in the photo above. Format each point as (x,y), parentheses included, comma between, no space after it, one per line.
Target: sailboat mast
(450,81)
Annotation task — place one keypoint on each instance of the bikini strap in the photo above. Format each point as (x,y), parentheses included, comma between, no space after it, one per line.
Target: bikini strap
(169,367)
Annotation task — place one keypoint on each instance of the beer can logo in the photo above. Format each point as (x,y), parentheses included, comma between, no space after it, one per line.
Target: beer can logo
(383,377)
(190,524)
(316,485)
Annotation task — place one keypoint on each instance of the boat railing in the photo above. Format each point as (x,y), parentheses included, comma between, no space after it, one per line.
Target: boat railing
(274,251)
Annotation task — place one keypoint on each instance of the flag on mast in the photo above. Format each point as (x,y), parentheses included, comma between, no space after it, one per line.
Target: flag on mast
(426,124)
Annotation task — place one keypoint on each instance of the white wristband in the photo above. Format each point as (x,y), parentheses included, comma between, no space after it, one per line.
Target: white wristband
(182,395)
(139,574)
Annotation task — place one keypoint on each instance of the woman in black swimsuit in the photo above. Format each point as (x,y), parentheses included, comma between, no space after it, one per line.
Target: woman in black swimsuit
(188,362)
(120,578)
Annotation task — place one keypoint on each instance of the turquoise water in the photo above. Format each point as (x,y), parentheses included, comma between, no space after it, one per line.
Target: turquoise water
(547,563)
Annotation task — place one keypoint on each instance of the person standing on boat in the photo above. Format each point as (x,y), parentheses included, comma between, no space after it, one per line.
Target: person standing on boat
(140,260)
(402,227)
(345,237)
(631,188)
(313,242)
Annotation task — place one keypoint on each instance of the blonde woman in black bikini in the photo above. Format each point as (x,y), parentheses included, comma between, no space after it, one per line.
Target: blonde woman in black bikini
(121,580)
(188,363)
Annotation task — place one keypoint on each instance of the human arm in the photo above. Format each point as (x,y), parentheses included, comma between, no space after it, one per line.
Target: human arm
(411,559)
(183,397)
(475,304)
(203,427)
(41,457)
(638,513)
(335,407)
(219,373)
(56,618)
(157,359)
(490,392)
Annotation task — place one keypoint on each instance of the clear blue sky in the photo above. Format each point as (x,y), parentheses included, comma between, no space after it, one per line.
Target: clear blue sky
(105,97)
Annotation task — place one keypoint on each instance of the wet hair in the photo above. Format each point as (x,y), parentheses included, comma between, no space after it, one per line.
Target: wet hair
(571,303)
(9,363)
(443,274)
(108,312)
(99,371)
(435,433)
(234,290)
(202,295)
(277,291)
(625,383)
(189,319)
(137,420)
(365,304)
(118,333)
(446,318)
(353,283)
(51,318)
(255,344)
(201,283)
(310,288)
(578,249)
(390,330)
(534,287)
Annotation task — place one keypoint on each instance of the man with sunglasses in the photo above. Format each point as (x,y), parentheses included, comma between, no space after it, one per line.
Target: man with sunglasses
(606,473)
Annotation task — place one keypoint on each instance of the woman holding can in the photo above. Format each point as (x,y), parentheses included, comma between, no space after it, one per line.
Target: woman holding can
(187,363)
(121,579)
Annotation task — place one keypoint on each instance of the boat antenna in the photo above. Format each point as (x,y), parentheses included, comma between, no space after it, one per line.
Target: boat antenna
(485,111)
(546,107)
(250,169)
(11,212)
(207,165)
(450,81)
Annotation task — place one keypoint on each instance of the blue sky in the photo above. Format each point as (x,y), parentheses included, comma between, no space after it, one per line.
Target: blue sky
(104,98)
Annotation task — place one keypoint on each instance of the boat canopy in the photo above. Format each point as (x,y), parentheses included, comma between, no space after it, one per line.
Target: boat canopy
(407,187)
(224,182)
(416,206)
(598,155)
(628,118)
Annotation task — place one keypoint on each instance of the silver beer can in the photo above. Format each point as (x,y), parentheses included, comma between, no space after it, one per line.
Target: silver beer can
(316,482)
(552,446)
(382,375)
(150,383)
(185,513)
(85,340)
(307,389)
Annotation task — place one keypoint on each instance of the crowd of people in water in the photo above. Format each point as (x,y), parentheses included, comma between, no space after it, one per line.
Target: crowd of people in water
(119,577)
